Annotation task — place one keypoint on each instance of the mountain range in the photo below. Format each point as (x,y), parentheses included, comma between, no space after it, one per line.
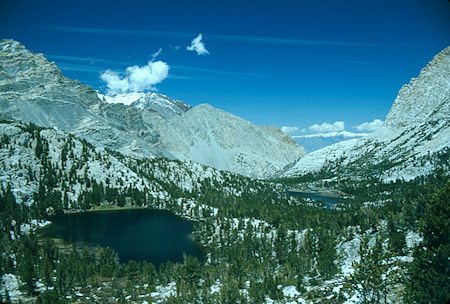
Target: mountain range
(414,140)
(147,125)
(313,142)
(66,147)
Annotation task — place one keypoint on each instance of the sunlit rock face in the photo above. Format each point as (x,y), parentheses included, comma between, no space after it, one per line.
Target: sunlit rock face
(137,124)
(425,98)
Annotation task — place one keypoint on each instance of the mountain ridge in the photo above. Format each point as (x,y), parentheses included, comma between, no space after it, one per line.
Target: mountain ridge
(416,128)
(34,90)
(431,98)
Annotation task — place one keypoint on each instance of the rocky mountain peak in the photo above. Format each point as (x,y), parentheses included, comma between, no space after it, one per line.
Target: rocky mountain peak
(10,46)
(136,124)
(25,75)
(222,140)
(150,101)
(424,98)
(16,61)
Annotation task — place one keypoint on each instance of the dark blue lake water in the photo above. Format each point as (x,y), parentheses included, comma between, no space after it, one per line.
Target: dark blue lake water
(137,234)
(328,200)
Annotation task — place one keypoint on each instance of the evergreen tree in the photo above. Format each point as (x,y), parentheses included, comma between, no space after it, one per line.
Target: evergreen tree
(326,254)
(429,273)
(192,269)
(38,150)
(26,264)
(370,278)
(397,240)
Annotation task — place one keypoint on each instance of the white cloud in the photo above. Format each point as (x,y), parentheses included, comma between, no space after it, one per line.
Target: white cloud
(344,134)
(289,130)
(136,78)
(156,54)
(327,127)
(370,126)
(198,46)
(114,82)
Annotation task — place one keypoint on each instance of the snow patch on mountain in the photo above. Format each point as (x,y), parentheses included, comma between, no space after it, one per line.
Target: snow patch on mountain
(160,103)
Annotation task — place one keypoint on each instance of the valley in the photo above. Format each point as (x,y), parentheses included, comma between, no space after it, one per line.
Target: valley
(65,150)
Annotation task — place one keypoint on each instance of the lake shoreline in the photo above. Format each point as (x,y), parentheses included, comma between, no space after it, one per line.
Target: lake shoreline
(105,208)
(319,191)
(101,208)
(327,193)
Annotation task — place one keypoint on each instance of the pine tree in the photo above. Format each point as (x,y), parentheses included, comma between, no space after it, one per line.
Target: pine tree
(192,269)
(27,263)
(107,261)
(397,240)
(370,278)
(326,253)
(38,148)
(429,273)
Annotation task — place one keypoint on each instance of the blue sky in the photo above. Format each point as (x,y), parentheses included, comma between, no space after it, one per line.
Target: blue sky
(282,63)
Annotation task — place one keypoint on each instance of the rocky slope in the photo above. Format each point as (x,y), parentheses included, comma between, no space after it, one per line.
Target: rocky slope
(34,90)
(414,140)
(30,155)
(221,140)
(426,98)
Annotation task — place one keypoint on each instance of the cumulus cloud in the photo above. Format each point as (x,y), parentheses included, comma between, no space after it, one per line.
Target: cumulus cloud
(198,46)
(370,126)
(327,127)
(114,82)
(289,130)
(136,78)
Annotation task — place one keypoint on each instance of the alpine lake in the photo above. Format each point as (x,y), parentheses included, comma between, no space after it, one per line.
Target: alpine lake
(139,234)
(328,200)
